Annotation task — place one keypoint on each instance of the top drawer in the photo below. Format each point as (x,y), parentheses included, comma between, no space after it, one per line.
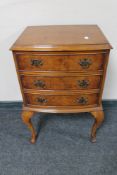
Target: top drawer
(59,62)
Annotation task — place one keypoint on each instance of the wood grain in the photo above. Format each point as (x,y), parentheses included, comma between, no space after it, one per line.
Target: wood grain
(62,69)
(64,37)
(61,83)
(65,62)
(61,100)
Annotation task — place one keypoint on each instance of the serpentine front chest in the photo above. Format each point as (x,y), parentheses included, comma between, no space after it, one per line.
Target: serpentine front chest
(61,69)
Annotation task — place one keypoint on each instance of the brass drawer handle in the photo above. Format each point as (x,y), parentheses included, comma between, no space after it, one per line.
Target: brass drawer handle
(85,63)
(82,100)
(83,83)
(39,83)
(36,62)
(41,100)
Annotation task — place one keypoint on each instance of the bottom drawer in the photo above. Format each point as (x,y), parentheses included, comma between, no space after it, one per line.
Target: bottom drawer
(62,100)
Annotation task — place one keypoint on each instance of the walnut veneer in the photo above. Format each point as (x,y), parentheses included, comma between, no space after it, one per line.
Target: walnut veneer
(61,69)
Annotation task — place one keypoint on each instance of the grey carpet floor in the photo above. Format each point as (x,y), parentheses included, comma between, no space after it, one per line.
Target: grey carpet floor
(62,147)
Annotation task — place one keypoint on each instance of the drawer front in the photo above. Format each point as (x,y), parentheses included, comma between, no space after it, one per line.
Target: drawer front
(61,100)
(79,62)
(61,83)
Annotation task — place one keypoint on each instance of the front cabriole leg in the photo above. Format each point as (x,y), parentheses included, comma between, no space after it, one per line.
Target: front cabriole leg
(26,117)
(99,118)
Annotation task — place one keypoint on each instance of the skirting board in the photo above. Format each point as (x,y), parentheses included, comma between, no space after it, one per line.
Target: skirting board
(17,105)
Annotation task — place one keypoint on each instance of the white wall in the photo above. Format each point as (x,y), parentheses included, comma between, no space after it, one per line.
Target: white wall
(15,15)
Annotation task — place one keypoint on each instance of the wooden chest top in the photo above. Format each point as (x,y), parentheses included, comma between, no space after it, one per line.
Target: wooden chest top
(61,38)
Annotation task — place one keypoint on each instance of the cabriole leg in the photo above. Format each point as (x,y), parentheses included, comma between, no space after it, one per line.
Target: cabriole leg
(26,117)
(99,117)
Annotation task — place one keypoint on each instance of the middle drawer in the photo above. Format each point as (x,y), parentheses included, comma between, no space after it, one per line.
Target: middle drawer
(61,82)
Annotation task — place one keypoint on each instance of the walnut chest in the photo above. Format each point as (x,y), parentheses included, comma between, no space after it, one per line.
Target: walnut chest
(61,69)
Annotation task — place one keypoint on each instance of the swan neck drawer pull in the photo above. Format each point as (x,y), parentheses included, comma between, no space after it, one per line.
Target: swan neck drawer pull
(39,83)
(85,63)
(41,100)
(83,83)
(82,100)
(36,62)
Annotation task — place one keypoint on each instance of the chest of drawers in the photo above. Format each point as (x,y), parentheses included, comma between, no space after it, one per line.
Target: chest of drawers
(61,69)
